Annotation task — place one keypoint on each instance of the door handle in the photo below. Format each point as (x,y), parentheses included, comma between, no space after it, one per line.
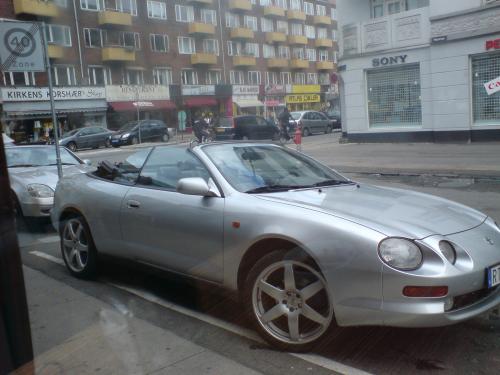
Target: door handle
(133,204)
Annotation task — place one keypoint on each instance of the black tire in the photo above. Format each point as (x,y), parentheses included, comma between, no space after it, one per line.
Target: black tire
(165,137)
(134,141)
(89,270)
(329,129)
(247,295)
(245,138)
(107,143)
(306,132)
(72,146)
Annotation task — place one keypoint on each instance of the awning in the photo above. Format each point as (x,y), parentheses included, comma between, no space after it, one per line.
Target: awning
(248,103)
(144,105)
(200,102)
(32,109)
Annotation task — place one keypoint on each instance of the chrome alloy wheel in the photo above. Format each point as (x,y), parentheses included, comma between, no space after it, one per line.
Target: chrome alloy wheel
(75,245)
(291,302)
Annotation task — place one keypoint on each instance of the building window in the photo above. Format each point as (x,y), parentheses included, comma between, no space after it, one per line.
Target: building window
(209,16)
(299,78)
(211,46)
(310,54)
(184,13)
(271,78)
(61,3)
(296,29)
(324,78)
(159,43)
(252,49)
(486,108)
(282,27)
(381,8)
(232,20)
(394,97)
(213,77)
(127,6)
(157,10)
(162,76)
(320,10)
(63,75)
(59,34)
(251,23)
(93,38)
(265,3)
(296,4)
(281,4)
(254,78)
(309,8)
(284,52)
(130,40)
(323,55)
(268,51)
(189,77)
(236,77)
(286,78)
(19,79)
(133,77)
(99,76)
(187,45)
(322,33)
(266,25)
(298,53)
(310,31)
(233,48)
(95,5)
(333,14)
(312,78)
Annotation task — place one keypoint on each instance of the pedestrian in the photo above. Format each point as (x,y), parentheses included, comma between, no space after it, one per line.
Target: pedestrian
(284,122)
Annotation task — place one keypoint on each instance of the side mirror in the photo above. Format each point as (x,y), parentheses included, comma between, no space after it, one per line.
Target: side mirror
(87,162)
(195,186)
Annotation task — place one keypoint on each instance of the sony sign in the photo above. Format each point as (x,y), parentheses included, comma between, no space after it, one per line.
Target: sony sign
(385,61)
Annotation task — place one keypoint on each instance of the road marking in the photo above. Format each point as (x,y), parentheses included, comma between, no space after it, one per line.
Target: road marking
(49,239)
(315,359)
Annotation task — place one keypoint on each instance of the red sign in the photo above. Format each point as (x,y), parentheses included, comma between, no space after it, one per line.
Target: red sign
(492,44)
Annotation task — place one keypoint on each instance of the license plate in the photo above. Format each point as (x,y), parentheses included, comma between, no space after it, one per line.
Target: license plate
(220,130)
(493,276)
(115,140)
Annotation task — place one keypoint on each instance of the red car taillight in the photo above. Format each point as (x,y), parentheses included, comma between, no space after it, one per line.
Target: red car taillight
(425,291)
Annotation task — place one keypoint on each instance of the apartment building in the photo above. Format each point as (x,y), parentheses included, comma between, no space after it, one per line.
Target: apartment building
(418,70)
(220,56)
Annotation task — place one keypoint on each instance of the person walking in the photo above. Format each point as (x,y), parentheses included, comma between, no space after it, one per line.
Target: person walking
(284,122)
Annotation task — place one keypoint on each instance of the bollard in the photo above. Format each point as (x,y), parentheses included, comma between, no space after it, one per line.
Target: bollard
(297,138)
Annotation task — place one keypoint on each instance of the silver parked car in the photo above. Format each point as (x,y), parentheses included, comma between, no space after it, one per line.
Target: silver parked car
(312,122)
(305,247)
(33,176)
(88,137)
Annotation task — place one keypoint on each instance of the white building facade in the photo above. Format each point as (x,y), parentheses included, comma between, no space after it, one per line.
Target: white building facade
(420,70)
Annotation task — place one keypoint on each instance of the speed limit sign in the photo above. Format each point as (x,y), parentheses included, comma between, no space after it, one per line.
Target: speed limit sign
(21,47)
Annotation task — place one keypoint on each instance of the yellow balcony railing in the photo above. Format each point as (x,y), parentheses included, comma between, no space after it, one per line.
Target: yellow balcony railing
(36,8)
(201,28)
(244,61)
(203,59)
(296,15)
(322,20)
(55,52)
(272,11)
(241,33)
(276,63)
(240,5)
(201,2)
(274,37)
(297,40)
(299,64)
(323,43)
(113,18)
(118,54)
(326,65)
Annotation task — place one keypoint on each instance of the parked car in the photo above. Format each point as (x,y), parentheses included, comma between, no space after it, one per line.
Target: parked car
(88,137)
(334,115)
(311,122)
(150,130)
(304,247)
(247,127)
(33,176)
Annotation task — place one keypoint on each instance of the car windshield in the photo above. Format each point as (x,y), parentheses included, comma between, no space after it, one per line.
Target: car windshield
(267,168)
(129,126)
(70,133)
(295,115)
(37,157)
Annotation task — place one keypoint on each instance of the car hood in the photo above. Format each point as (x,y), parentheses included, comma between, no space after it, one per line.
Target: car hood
(45,175)
(393,212)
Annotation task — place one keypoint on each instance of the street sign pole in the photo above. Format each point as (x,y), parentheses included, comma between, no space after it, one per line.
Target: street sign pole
(52,105)
(138,114)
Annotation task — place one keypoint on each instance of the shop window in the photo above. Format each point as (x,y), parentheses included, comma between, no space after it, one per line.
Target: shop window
(186,45)
(189,77)
(299,78)
(237,77)
(19,79)
(286,78)
(95,5)
(254,78)
(157,10)
(162,76)
(309,8)
(127,6)
(99,76)
(134,77)
(251,23)
(394,97)
(486,108)
(209,16)
(92,37)
(232,20)
(213,77)
(184,13)
(159,43)
(130,40)
(211,46)
(63,75)
(266,25)
(58,34)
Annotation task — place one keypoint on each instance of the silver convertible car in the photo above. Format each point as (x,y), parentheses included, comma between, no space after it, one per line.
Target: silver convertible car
(305,248)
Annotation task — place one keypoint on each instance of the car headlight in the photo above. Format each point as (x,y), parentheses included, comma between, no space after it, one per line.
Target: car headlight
(400,253)
(126,135)
(448,251)
(40,191)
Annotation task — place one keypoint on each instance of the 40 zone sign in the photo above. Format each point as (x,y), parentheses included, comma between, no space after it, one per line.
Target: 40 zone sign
(21,47)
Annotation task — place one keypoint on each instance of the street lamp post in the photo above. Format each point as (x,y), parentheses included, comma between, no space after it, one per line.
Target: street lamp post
(138,113)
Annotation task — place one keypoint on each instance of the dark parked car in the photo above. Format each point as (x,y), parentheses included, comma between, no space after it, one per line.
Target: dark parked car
(245,128)
(334,115)
(88,137)
(150,130)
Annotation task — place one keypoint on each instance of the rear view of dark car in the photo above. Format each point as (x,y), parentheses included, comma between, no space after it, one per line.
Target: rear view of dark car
(334,115)
(245,128)
(147,131)
(88,137)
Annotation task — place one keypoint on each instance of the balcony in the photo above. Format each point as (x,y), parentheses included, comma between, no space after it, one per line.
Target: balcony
(323,43)
(203,59)
(244,61)
(114,18)
(296,15)
(55,52)
(240,5)
(277,63)
(201,2)
(322,20)
(118,54)
(299,64)
(326,65)
(297,40)
(274,37)
(241,33)
(401,30)
(198,28)
(36,8)
(274,12)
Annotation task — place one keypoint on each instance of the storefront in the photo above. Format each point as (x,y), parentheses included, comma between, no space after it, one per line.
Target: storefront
(206,101)
(132,102)
(26,112)
(274,100)
(304,97)
(485,68)
(246,100)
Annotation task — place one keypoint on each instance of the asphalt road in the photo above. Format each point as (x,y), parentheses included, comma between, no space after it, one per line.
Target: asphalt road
(204,315)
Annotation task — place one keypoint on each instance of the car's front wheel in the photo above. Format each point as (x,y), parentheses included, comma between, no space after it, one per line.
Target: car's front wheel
(287,299)
(78,249)
(165,137)
(72,146)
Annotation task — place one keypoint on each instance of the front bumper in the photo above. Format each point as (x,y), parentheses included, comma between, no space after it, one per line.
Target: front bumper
(37,207)
(119,141)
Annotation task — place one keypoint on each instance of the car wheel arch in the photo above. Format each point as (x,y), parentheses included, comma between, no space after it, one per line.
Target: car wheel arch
(71,212)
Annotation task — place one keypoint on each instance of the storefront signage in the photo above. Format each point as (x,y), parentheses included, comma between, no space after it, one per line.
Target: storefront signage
(440,39)
(275,89)
(40,94)
(197,90)
(492,44)
(493,86)
(306,89)
(305,98)
(393,60)
(123,93)
(245,90)
(273,103)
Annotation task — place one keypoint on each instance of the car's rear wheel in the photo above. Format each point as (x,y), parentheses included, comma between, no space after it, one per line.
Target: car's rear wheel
(107,143)
(78,249)
(134,141)
(287,299)
(72,146)
(165,137)
(329,129)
